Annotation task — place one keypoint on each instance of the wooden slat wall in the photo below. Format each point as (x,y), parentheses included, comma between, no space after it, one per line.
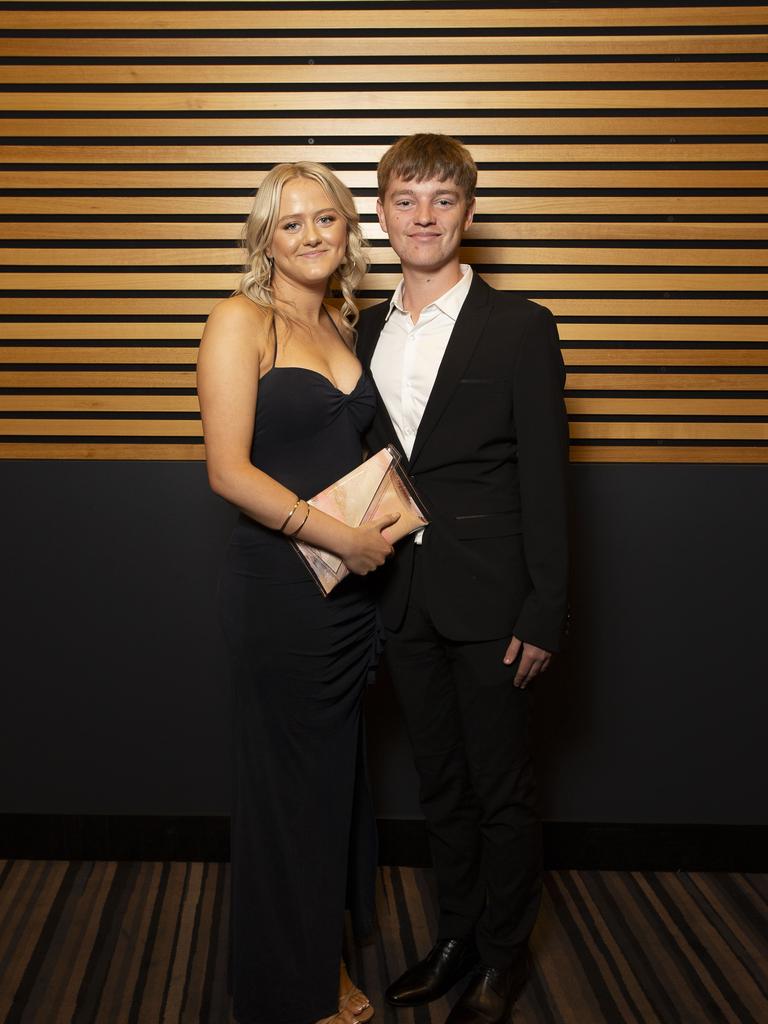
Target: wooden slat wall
(623,156)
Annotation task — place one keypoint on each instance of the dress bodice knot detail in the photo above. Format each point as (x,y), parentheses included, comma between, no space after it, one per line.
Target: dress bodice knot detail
(307,431)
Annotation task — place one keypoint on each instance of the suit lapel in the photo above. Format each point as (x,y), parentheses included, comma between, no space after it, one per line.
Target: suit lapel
(368,340)
(371,324)
(461,344)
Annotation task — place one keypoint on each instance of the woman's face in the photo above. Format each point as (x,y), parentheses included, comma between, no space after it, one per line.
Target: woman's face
(311,235)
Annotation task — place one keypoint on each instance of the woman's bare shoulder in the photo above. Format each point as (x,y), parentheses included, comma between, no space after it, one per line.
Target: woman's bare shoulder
(239,315)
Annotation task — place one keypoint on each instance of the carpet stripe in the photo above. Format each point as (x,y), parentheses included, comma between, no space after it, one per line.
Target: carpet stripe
(625,976)
(598,962)
(627,937)
(221,1010)
(40,970)
(86,921)
(19,896)
(752,906)
(194,979)
(710,950)
(711,1000)
(673,971)
(116,995)
(573,996)
(727,928)
(41,893)
(725,894)
(102,954)
(167,923)
(145,961)
(609,1001)
(100,943)
(183,950)
(540,999)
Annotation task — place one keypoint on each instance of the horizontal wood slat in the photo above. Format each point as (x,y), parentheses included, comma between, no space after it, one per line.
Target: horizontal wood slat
(116,452)
(129,154)
(577,405)
(154,280)
(668,431)
(192,428)
(399,18)
(328,74)
(95,403)
(199,231)
(581,381)
(572,356)
(498,153)
(568,178)
(736,333)
(668,453)
(311,125)
(59,48)
(590,307)
(193,452)
(521,205)
(372,99)
(228,256)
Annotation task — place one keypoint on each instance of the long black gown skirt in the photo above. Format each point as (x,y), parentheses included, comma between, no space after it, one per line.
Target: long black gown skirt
(303,839)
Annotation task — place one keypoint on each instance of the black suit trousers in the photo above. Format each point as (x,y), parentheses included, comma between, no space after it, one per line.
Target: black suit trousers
(469,727)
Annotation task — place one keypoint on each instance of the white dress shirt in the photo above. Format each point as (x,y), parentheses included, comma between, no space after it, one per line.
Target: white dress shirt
(408,356)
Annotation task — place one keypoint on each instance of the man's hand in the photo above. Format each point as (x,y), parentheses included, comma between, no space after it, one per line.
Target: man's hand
(534,660)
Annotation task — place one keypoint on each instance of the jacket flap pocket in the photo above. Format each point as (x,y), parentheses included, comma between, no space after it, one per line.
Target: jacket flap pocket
(491,524)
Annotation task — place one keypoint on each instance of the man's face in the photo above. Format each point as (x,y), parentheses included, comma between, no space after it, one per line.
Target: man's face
(425,221)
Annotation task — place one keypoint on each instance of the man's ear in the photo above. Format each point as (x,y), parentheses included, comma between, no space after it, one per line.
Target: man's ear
(381,216)
(469,215)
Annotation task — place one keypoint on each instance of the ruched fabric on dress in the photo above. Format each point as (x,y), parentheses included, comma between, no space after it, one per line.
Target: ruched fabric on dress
(303,833)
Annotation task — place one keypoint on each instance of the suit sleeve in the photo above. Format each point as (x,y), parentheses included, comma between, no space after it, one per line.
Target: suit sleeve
(542,438)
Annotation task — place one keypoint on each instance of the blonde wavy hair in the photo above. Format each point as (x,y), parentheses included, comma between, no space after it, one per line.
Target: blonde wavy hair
(259,229)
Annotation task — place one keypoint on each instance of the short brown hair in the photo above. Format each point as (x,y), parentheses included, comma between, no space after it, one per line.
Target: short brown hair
(424,156)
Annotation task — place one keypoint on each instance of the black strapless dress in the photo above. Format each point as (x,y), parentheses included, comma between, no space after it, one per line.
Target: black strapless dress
(302,828)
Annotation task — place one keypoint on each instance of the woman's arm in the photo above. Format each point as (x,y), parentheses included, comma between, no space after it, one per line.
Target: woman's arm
(232,352)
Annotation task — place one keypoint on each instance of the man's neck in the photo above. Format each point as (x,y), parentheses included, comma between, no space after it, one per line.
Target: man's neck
(421,287)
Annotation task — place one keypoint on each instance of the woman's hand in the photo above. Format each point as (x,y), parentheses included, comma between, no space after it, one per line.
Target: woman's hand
(367,548)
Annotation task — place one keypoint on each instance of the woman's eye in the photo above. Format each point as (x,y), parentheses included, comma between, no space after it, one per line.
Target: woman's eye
(328,219)
(290,227)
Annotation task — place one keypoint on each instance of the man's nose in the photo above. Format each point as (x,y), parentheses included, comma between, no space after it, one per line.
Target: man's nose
(424,214)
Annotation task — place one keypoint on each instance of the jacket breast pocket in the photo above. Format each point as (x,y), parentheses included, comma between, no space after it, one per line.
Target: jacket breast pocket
(479,386)
(491,524)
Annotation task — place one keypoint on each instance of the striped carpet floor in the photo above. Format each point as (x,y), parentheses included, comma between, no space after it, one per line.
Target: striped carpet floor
(145,943)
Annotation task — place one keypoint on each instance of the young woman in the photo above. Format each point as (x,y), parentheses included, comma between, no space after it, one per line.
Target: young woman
(284,404)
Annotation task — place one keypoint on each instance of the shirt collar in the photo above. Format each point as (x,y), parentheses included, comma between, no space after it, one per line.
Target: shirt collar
(449,302)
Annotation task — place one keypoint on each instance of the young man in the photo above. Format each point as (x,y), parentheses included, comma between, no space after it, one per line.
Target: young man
(470,383)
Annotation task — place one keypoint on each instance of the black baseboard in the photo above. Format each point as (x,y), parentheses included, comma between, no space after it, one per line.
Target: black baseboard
(582,845)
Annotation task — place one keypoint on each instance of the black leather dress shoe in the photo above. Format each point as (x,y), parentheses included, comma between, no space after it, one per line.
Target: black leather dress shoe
(490,996)
(446,963)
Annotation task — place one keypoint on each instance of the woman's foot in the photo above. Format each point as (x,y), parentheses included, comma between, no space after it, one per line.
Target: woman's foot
(351,1000)
(345,1016)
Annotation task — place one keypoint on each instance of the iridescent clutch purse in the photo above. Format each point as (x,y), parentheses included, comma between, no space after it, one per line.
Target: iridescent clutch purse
(378,486)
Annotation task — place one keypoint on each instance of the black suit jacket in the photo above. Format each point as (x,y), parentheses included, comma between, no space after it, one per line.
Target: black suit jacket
(489,462)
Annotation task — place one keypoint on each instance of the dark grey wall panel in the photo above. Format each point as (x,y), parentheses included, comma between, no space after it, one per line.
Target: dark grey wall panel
(114,696)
